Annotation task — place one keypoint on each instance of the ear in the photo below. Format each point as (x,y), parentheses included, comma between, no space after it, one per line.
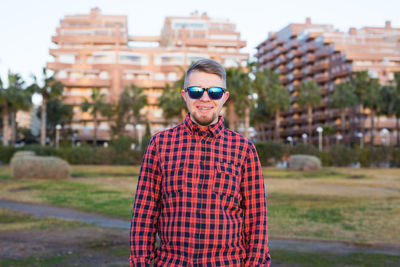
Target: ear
(183,94)
(226,96)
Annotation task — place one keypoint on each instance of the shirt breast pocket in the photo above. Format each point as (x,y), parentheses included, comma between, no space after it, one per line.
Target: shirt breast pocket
(226,179)
(174,178)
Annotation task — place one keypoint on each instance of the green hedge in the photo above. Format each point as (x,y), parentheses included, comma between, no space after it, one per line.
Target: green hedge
(80,155)
(336,155)
(269,152)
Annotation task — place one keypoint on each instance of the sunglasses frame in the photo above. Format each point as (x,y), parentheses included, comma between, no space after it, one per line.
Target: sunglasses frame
(208,91)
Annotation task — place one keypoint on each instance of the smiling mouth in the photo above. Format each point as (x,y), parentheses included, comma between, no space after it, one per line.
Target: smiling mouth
(204,108)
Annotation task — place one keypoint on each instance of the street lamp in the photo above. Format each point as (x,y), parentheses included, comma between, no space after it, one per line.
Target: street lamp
(360,135)
(304,136)
(290,140)
(338,138)
(58,128)
(385,132)
(74,135)
(320,130)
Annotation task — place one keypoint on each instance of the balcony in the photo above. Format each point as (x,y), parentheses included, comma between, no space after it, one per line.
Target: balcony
(322,77)
(85,82)
(312,47)
(298,63)
(284,79)
(309,58)
(298,75)
(323,52)
(283,70)
(284,59)
(58,66)
(321,66)
(341,73)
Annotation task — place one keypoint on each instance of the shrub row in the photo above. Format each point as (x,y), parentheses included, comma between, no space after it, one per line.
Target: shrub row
(337,155)
(269,152)
(80,155)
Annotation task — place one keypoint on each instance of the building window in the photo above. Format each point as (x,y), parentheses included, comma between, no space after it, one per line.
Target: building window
(169,59)
(66,58)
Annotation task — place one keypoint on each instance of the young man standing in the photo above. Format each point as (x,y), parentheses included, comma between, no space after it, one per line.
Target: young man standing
(200,187)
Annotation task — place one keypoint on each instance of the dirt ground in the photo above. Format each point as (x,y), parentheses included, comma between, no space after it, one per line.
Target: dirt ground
(82,246)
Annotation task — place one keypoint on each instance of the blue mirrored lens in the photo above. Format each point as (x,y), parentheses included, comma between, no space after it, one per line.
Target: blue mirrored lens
(196,92)
(215,92)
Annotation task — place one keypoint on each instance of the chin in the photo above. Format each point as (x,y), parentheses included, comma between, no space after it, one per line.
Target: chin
(204,121)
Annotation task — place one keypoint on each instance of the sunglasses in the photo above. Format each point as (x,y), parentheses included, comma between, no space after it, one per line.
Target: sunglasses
(196,92)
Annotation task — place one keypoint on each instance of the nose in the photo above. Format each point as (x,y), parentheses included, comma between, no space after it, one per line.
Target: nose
(205,96)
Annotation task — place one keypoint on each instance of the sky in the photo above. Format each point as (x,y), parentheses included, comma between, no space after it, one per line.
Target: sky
(26,26)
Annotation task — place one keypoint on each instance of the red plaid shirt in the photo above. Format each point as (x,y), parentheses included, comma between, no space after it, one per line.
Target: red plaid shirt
(203,192)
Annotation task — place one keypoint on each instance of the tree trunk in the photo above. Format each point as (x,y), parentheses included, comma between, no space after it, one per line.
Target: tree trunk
(246,121)
(372,128)
(43,121)
(183,115)
(231,114)
(264,131)
(362,125)
(5,124)
(309,110)
(397,131)
(343,118)
(13,128)
(95,129)
(277,125)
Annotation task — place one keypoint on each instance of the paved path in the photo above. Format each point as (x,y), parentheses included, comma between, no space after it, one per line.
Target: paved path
(39,210)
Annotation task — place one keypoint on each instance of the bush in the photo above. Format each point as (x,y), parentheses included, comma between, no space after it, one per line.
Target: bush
(122,143)
(6,153)
(395,158)
(304,150)
(375,157)
(343,156)
(326,158)
(269,152)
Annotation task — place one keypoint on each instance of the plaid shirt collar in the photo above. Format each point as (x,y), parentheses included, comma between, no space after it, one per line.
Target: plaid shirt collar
(215,130)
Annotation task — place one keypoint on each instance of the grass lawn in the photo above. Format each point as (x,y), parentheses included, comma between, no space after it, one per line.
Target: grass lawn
(11,221)
(357,205)
(330,260)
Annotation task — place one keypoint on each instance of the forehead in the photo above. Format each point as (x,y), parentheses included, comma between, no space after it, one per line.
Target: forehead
(204,79)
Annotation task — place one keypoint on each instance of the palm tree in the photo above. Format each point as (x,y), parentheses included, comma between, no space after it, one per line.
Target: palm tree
(4,103)
(239,103)
(171,101)
(51,89)
(278,99)
(233,84)
(263,80)
(390,102)
(96,106)
(137,100)
(260,115)
(309,96)
(371,101)
(19,99)
(360,80)
(397,106)
(344,97)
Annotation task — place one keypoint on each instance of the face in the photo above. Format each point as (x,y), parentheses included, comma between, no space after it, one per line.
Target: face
(204,111)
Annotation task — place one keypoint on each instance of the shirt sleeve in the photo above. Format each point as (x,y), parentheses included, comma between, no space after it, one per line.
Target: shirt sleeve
(146,209)
(254,205)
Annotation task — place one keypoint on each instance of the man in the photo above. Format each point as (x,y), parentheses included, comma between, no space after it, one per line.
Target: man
(200,187)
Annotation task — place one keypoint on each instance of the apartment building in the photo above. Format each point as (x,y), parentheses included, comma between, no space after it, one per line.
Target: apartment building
(306,51)
(96,51)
